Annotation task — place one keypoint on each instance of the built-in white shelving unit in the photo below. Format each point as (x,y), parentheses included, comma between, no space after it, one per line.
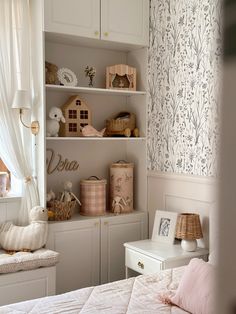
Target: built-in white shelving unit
(69,43)
(93,91)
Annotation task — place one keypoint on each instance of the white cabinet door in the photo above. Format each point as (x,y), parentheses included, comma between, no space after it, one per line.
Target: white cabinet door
(115,231)
(73,17)
(125,21)
(78,245)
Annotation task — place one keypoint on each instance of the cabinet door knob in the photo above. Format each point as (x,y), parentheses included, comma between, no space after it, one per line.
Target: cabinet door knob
(96,224)
(141,265)
(96,33)
(106,34)
(105,222)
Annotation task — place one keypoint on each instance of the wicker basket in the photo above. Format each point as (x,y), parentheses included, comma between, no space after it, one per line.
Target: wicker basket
(61,210)
(119,124)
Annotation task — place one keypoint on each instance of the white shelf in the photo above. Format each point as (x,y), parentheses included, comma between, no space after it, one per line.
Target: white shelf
(89,90)
(95,138)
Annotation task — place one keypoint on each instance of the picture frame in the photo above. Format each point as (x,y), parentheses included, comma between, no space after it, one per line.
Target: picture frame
(67,77)
(164,226)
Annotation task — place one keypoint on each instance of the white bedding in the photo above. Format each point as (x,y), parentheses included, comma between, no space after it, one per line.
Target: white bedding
(132,296)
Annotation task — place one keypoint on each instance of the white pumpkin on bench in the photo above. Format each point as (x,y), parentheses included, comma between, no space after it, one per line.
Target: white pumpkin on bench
(26,238)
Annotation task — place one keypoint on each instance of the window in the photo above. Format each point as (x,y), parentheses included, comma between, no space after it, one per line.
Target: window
(83,114)
(72,114)
(3,168)
(72,127)
(78,102)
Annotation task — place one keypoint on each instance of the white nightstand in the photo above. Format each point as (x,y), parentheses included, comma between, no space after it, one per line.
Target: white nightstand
(148,257)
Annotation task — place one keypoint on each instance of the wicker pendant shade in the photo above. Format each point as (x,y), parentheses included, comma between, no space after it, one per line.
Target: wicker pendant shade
(188,227)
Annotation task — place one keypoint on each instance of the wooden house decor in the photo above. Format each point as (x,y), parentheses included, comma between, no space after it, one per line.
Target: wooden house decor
(77,115)
(121,76)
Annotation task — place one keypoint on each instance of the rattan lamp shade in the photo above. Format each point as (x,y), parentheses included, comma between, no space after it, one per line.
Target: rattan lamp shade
(188,227)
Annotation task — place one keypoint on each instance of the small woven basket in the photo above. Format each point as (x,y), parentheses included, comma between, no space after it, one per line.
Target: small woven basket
(118,125)
(61,210)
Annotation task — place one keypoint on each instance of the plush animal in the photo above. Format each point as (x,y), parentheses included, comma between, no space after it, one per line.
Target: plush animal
(51,73)
(117,206)
(50,196)
(53,126)
(28,238)
(67,194)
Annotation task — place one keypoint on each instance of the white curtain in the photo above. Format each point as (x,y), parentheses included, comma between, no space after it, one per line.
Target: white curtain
(16,142)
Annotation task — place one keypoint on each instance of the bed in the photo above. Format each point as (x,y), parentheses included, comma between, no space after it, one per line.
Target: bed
(134,295)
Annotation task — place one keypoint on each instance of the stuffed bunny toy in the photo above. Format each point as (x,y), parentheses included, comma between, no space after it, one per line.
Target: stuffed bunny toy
(53,126)
(26,238)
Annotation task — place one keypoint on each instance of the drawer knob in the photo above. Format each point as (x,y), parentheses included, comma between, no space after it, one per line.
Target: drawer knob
(106,34)
(96,33)
(141,265)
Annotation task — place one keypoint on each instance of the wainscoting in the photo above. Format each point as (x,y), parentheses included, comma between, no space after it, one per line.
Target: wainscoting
(9,208)
(182,193)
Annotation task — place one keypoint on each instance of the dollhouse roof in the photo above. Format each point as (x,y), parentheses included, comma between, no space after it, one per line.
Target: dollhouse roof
(72,102)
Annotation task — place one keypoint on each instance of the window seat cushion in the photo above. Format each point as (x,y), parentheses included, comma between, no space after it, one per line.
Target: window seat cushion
(27,260)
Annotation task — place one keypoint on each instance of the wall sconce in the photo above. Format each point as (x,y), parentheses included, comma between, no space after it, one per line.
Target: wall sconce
(22,102)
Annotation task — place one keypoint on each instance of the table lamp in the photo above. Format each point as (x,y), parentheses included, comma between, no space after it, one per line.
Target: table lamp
(188,229)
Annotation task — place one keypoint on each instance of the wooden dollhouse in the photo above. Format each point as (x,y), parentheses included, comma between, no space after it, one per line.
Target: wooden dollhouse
(77,115)
(121,76)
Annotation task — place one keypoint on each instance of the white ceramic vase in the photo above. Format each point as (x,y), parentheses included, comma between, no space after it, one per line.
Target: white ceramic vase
(189,245)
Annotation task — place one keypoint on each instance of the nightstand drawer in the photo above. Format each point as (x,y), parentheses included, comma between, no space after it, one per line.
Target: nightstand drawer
(141,263)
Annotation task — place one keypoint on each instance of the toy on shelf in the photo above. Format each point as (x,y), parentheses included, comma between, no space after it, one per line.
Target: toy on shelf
(66,77)
(67,194)
(124,124)
(51,73)
(121,76)
(30,237)
(118,204)
(90,72)
(77,115)
(89,131)
(52,125)
(63,207)
(50,196)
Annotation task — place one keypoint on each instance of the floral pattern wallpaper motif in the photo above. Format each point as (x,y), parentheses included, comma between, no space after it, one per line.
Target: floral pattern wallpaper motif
(184,63)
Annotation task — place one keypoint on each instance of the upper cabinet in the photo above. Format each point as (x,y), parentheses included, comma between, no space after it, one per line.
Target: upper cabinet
(125,21)
(110,20)
(73,17)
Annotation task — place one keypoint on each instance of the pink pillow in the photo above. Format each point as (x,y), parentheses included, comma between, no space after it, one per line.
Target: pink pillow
(195,291)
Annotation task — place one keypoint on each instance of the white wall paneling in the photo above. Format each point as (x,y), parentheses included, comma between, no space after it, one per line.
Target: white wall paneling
(9,208)
(182,193)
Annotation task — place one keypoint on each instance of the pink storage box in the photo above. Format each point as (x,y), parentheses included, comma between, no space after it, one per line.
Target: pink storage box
(93,197)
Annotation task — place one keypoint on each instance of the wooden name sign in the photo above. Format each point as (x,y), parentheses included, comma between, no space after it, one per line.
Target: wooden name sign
(58,163)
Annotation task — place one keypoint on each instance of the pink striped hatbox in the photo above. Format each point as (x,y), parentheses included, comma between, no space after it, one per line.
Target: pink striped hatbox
(93,196)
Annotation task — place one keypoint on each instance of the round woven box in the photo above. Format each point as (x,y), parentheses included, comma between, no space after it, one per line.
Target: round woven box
(121,187)
(93,197)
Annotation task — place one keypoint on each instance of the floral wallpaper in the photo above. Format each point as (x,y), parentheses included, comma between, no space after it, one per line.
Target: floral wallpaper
(184,86)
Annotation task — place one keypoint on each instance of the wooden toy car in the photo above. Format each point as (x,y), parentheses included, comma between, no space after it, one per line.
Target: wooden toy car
(122,124)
